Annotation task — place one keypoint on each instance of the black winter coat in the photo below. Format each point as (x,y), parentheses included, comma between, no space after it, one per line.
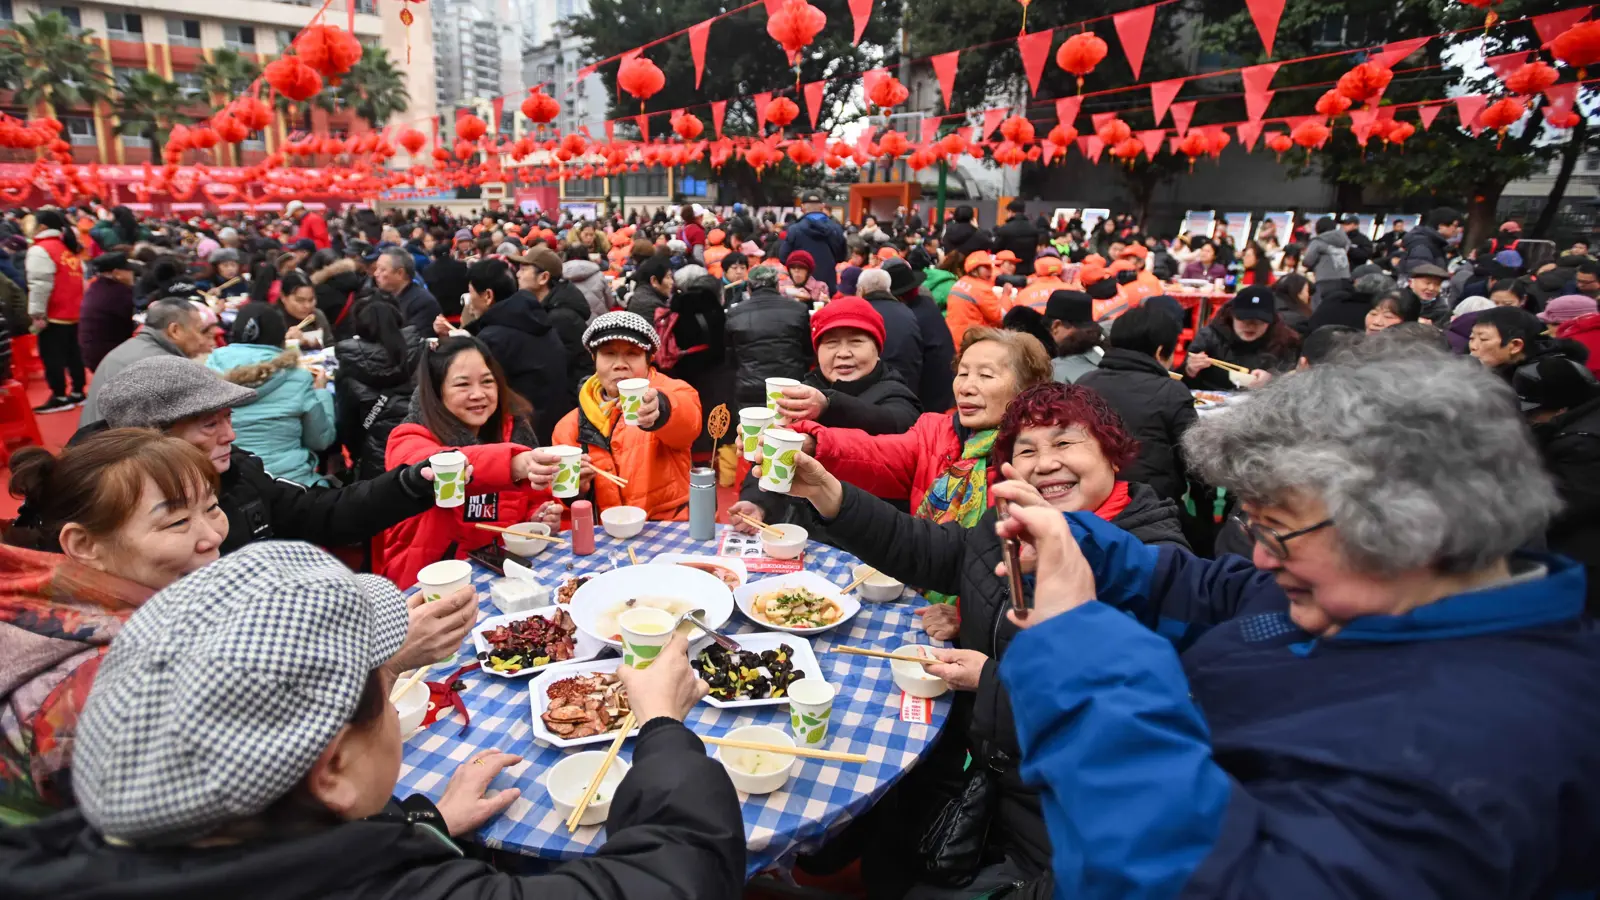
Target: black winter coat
(702,321)
(1020,237)
(336,285)
(1341,306)
(822,237)
(519,334)
(936,386)
(373,396)
(1570,444)
(956,560)
(966,237)
(674,831)
(1219,342)
(568,310)
(1155,410)
(769,336)
(1424,246)
(446,278)
(418,307)
(902,337)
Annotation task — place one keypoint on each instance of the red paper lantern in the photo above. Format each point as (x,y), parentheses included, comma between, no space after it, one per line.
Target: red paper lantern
(1113,132)
(893,143)
(1062,135)
(293,78)
(687,126)
(803,153)
(1216,142)
(1399,132)
(464,150)
(794,26)
(441,154)
(1279,143)
(539,107)
(1310,134)
(975,151)
(332,146)
(252,111)
(1491,17)
(1502,114)
(469,127)
(1080,54)
(329,50)
(230,129)
(1333,104)
(1532,78)
(640,78)
(1017,129)
(953,143)
(887,92)
(1578,46)
(1561,119)
(782,111)
(1193,145)
(1365,82)
(1009,154)
(202,137)
(574,144)
(412,140)
(1128,150)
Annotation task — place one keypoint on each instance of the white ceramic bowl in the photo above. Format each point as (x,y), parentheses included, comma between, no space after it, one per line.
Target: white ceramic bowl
(914,678)
(622,521)
(746,596)
(773,768)
(565,781)
(608,591)
(880,588)
(527,546)
(412,707)
(791,546)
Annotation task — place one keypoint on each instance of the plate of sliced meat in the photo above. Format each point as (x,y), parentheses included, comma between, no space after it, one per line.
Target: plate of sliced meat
(521,644)
(577,704)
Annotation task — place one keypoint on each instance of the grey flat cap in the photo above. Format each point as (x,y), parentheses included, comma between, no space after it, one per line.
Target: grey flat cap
(217,697)
(160,390)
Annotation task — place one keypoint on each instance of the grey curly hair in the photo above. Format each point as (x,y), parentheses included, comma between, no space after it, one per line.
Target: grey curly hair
(1420,456)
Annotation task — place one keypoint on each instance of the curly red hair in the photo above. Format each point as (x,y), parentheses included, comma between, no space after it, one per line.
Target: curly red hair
(1053,403)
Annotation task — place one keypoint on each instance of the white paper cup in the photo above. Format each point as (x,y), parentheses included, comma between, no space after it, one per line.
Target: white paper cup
(441,579)
(630,394)
(810,707)
(449,478)
(779,447)
(568,466)
(775,388)
(753,420)
(817,305)
(645,630)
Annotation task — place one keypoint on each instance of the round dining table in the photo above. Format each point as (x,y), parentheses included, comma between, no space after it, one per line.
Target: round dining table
(820,798)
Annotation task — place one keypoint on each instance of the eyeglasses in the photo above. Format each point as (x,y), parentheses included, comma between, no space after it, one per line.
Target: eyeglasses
(1277,545)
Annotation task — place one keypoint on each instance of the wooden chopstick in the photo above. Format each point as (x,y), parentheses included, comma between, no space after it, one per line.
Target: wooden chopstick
(761,525)
(521,534)
(631,557)
(306,321)
(400,689)
(788,751)
(600,773)
(619,482)
(879,654)
(1175,375)
(217,291)
(1229,366)
(857,583)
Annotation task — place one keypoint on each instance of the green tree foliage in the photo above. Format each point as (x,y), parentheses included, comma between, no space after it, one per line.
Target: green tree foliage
(227,74)
(374,89)
(45,62)
(150,104)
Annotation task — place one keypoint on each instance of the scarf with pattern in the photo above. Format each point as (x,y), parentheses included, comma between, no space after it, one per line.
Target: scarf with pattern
(961,492)
(600,412)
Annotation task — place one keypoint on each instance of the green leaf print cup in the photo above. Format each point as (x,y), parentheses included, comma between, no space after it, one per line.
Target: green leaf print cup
(449,478)
(569,464)
(644,632)
(810,708)
(779,448)
(775,388)
(753,420)
(630,395)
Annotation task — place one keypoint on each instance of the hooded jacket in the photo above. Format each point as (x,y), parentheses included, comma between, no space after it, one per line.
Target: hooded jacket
(1586,331)
(654,462)
(1327,256)
(569,315)
(588,278)
(105,320)
(769,336)
(519,333)
(819,235)
(336,285)
(1424,246)
(1156,411)
(290,421)
(373,396)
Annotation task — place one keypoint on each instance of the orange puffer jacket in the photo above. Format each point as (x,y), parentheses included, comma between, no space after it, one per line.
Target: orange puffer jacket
(971,302)
(655,463)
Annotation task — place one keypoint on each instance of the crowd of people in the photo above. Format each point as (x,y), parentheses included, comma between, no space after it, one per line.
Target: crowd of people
(1331,634)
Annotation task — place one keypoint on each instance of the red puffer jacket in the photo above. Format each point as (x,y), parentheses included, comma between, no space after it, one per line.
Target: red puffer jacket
(492,498)
(1586,331)
(891,466)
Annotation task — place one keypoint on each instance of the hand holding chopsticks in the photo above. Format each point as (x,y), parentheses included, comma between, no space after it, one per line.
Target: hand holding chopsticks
(1228,366)
(628,723)
(766,529)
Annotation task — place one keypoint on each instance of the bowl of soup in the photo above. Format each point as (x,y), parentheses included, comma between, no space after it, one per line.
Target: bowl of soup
(566,780)
(758,771)
(597,605)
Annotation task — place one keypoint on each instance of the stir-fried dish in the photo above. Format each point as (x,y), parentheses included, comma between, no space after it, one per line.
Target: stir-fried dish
(529,643)
(746,674)
(795,608)
(586,705)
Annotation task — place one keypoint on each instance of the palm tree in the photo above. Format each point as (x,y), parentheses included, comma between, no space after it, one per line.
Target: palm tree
(149,101)
(374,89)
(227,74)
(297,114)
(46,64)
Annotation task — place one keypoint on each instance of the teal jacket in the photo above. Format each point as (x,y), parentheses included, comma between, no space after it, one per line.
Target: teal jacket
(289,421)
(938,283)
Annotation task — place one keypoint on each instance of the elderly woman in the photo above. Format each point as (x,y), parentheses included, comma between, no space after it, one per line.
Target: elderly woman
(797,281)
(1392,308)
(1387,699)
(1067,446)
(288,794)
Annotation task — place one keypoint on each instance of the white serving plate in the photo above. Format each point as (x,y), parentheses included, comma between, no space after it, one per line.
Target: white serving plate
(805,659)
(608,588)
(585,647)
(541,701)
(732,563)
(816,584)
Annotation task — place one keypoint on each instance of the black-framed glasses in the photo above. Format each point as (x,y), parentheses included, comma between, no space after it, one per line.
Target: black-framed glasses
(1277,545)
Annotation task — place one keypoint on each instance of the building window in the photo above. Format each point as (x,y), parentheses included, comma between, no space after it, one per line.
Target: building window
(70,13)
(124,74)
(183,32)
(124,26)
(366,6)
(136,134)
(190,82)
(80,130)
(1591,163)
(5,11)
(239,37)
(255,140)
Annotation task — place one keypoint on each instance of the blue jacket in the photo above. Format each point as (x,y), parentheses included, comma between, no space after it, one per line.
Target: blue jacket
(819,235)
(1451,752)
(289,420)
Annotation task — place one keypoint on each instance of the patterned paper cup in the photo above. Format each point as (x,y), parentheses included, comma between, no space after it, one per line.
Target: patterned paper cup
(810,706)
(644,632)
(753,420)
(775,388)
(779,447)
(568,466)
(630,393)
(449,478)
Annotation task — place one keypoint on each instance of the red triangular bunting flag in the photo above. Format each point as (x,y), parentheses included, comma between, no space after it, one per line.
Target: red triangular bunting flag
(719,108)
(991,120)
(1393,53)
(1265,14)
(863,140)
(1083,146)
(1048,152)
(1249,133)
(1257,107)
(1067,109)
(773,6)
(1506,63)
(1181,114)
(1162,93)
(872,77)
(944,68)
(1469,107)
(1133,29)
(1095,146)
(1257,79)
(697,48)
(1035,50)
(1361,123)
(1152,141)
(762,99)
(644,126)
(1562,97)
(1172,146)
(860,11)
(611,131)
(813,94)
(1099,119)
(1296,121)
(1550,25)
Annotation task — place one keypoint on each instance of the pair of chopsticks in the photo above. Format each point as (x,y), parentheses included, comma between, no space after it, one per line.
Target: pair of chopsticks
(521,534)
(806,752)
(879,654)
(1228,366)
(860,579)
(306,321)
(217,291)
(619,482)
(400,689)
(765,528)
(628,723)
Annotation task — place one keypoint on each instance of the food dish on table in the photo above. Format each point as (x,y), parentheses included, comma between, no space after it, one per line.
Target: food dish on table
(833,608)
(586,705)
(527,643)
(795,607)
(1209,399)
(748,674)
(673,589)
(570,587)
(728,576)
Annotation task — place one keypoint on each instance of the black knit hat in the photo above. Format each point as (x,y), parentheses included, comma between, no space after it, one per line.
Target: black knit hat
(1070,308)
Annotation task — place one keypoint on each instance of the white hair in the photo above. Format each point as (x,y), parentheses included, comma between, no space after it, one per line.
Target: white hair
(872,281)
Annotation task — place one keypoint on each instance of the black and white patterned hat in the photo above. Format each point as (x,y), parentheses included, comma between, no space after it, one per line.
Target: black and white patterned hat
(621,326)
(220,693)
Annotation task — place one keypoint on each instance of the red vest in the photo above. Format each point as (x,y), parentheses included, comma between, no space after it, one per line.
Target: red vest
(66,297)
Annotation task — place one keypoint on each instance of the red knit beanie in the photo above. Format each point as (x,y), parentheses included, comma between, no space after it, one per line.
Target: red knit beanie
(847,312)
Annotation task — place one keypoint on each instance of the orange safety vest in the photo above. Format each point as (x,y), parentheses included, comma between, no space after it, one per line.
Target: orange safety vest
(714,258)
(1037,294)
(971,303)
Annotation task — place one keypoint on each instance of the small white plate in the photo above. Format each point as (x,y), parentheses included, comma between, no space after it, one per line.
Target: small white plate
(816,584)
(805,660)
(541,702)
(584,648)
(732,563)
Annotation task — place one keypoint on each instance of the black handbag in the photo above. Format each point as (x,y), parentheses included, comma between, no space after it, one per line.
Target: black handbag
(951,850)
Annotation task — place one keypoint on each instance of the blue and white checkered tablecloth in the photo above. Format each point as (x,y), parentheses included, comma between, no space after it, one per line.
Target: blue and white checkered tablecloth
(818,800)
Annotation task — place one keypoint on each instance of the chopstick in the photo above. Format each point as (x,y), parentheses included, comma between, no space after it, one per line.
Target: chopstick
(631,557)
(400,689)
(1175,375)
(1229,366)
(619,482)
(761,525)
(788,751)
(521,534)
(600,773)
(863,577)
(216,291)
(879,654)
(306,321)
